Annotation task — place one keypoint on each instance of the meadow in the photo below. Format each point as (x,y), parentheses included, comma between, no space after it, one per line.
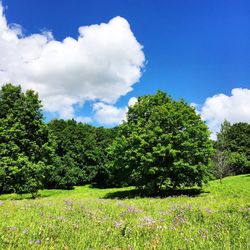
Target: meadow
(92,218)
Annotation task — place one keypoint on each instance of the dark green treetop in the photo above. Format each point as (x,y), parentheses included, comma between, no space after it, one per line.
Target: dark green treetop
(26,149)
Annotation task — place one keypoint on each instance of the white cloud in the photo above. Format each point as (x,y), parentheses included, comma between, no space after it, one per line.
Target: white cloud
(194,105)
(83,119)
(102,64)
(132,101)
(111,115)
(234,108)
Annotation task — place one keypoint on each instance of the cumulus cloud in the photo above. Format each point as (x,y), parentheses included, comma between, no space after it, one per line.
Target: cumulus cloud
(132,101)
(111,115)
(234,108)
(102,64)
(194,105)
(83,119)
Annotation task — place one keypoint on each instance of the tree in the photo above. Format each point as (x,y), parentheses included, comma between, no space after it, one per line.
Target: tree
(221,166)
(239,163)
(163,144)
(222,137)
(26,149)
(239,146)
(234,141)
(81,154)
(104,138)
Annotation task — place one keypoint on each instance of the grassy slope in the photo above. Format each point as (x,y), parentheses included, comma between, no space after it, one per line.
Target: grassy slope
(84,219)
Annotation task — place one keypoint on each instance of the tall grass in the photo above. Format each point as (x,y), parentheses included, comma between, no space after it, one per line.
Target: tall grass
(84,218)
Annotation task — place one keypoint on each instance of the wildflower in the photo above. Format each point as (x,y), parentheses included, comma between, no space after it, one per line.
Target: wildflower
(1,203)
(131,209)
(25,231)
(37,242)
(68,203)
(208,210)
(203,234)
(118,224)
(13,228)
(148,221)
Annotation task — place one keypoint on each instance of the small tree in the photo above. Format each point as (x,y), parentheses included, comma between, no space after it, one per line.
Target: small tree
(163,144)
(221,167)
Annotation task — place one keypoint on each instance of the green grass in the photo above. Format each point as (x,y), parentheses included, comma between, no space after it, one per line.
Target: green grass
(84,218)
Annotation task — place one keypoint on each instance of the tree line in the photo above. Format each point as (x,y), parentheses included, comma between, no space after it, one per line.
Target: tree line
(162,144)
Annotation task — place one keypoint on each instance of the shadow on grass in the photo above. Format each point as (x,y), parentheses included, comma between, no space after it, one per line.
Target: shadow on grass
(99,186)
(135,193)
(247,175)
(27,196)
(22,197)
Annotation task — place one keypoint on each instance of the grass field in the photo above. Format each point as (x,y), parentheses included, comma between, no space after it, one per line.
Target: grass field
(91,218)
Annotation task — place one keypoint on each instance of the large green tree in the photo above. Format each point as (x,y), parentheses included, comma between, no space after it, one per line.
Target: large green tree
(163,144)
(26,148)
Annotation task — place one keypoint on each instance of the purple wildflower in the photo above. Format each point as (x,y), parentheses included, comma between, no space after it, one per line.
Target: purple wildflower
(37,242)
(148,221)
(131,209)
(118,224)
(68,203)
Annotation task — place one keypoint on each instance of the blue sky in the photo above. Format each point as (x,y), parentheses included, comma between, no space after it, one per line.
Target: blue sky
(193,49)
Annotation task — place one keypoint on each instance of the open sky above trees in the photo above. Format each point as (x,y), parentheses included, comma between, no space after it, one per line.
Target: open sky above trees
(89,60)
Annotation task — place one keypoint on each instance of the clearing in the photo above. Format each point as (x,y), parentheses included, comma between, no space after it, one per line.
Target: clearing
(92,218)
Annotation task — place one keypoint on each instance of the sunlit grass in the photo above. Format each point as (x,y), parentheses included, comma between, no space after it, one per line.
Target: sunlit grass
(84,218)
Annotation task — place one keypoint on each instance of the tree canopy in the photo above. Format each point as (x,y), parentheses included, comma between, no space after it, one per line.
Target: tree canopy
(80,153)
(25,146)
(234,141)
(164,143)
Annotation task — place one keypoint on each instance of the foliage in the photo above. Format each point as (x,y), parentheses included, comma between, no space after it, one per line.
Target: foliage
(81,153)
(26,149)
(104,138)
(164,143)
(234,140)
(239,162)
(222,137)
(21,175)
